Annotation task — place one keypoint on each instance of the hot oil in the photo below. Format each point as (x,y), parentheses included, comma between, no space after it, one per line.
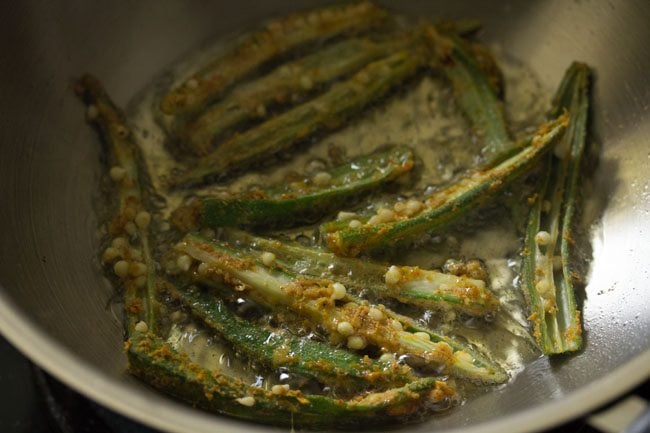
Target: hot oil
(422,114)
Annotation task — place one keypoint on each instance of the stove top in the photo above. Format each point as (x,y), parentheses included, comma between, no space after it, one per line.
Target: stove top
(31,401)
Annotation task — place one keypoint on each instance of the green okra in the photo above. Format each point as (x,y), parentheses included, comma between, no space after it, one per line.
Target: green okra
(276,348)
(356,322)
(130,253)
(253,50)
(445,206)
(548,260)
(155,362)
(302,200)
(475,90)
(410,285)
(325,112)
(292,81)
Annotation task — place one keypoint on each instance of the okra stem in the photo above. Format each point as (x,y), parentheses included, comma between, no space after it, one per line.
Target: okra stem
(357,322)
(292,81)
(443,207)
(325,112)
(130,253)
(302,200)
(548,259)
(277,37)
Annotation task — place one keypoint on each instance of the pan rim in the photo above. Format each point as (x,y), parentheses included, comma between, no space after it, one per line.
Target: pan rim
(161,412)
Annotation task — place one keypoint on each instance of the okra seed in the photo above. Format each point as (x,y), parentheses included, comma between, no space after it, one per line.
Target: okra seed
(136,269)
(546,206)
(141,326)
(393,276)
(192,83)
(130,228)
(543,238)
(247,401)
(345,328)
(120,242)
(121,268)
(399,207)
(140,282)
(344,216)
(375,314)
(142,219)
(383,216)
(374,220)
(422,336)
(386,215)
(184,262)
(413,206)
(355,224)
(280,389)
(396,325)
(356,342)
(110,254)
(203,269)
(543,287)
(322,178)
(387,358)
(117,173)
(267,258)
(129,212)
(338,291)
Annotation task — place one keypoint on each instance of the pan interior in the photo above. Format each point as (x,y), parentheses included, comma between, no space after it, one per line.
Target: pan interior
(54,301)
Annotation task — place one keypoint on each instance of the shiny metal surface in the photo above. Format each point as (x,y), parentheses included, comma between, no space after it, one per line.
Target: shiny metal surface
(53,299)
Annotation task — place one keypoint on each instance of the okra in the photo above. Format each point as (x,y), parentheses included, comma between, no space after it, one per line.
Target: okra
(292,81)
(154,361)
(548,269)
(410,285)
(389,227)
(325,112)
(253,50)
(355,322)
(275,348)
(130,253)
(302,200)
(474,90)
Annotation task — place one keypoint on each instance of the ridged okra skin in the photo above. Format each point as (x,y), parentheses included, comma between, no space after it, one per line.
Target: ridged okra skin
(253,50)
(275,348)
(549,257)
(155,362)
(292,82)
(129,257)
(303,200)
(445,206)
(326,112)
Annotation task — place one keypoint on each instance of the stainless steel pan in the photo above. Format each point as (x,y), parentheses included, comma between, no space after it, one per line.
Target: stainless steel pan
(53,300)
